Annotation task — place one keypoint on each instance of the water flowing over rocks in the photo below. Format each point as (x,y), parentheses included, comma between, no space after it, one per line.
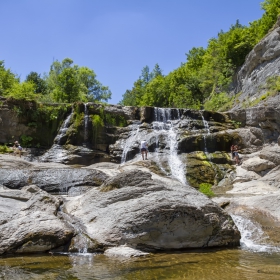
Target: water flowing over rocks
(253,191)
(112,198)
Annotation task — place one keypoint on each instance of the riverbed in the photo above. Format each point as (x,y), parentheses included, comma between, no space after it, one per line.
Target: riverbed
(196,264)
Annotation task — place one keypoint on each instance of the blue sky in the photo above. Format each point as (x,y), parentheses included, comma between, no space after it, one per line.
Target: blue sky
(115,38)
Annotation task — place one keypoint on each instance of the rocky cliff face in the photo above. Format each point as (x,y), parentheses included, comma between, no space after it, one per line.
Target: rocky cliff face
(262,63)
(188,144)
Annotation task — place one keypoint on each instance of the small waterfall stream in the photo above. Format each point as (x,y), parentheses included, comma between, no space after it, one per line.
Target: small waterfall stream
(86,122)
(163,124)
(207,128)
(130,141)
(162,130)
(56,153)
(252,236)
(63,129)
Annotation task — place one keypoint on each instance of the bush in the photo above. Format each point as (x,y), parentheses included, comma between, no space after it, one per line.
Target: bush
(205,188)
(4,149)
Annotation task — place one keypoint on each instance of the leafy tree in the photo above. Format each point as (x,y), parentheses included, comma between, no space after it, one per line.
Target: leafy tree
(24,90)
(39,83)
(7,79)
(70,83)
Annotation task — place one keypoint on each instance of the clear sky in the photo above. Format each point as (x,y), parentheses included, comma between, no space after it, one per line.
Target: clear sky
(115,38)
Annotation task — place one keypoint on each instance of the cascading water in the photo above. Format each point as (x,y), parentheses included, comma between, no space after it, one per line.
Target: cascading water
(130,141)
(207,128)
(163,125)
(86,121)
(56,153)
(252,236)
(63,129)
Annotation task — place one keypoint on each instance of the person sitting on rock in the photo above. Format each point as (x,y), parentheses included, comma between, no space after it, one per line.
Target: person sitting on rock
(16,144)
(19,150)
(144,149)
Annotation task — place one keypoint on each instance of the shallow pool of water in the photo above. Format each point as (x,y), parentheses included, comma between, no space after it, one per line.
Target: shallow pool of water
(211,264)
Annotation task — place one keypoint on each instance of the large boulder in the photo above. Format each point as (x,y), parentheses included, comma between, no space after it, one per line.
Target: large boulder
(29,222)
(133,209)
(51,177)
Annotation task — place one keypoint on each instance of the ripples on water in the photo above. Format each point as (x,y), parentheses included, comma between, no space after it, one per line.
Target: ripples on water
(211,264)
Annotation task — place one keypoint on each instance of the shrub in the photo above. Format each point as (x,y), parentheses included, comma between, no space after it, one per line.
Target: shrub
(205,188)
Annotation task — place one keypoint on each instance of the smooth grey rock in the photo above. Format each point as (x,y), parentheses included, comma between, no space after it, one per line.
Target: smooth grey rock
(147,214)
(50,177)
(29,222)
(257,164)
(124,251)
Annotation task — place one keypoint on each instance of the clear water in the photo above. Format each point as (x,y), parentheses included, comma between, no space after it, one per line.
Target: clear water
(210,265)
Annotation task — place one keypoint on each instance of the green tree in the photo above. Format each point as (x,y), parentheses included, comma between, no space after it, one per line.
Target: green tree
(7,79)
(39,83)
(70,83)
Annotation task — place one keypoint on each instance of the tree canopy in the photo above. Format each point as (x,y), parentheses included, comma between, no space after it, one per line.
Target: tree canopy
(207,73)
(65,82)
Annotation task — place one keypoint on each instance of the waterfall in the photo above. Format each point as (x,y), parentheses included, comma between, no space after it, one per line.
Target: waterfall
(163,124)
(63,129)
(56,153)
(130,141)
(252,236)
(207,128)
(86,121)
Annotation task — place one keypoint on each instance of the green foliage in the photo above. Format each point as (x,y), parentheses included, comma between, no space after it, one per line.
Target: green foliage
(205,188)
(4,149)
(97,125)
(23,91)
(26,140)
(7,79)
(70,83)
(206,75)
(236,124)
(40,85)
(219,102)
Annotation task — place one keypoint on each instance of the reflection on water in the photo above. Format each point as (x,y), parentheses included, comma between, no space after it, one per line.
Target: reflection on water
(211,264)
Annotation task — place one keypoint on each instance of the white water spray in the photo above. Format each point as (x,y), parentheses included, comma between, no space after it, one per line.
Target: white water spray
(130,141)
(164,125)
(86,120)
(63,129)
(252,236)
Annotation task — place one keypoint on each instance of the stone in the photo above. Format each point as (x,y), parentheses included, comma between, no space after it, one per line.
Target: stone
(51,177)
(257,165)
(29,222)
(124,251)
(148,214)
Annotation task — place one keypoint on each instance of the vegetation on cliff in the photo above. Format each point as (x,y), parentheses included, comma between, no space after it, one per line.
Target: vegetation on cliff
(206,76)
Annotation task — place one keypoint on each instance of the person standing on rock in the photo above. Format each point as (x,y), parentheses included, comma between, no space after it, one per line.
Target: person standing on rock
(144,149)
(236,155)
